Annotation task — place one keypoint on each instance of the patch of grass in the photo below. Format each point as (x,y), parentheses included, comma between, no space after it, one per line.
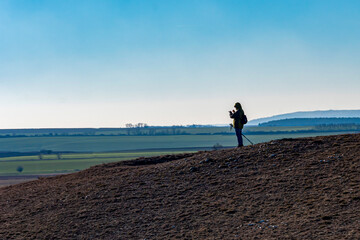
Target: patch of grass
(69,162)
(109,143)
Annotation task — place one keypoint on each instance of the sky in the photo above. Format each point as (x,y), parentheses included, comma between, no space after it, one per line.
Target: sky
(105,63)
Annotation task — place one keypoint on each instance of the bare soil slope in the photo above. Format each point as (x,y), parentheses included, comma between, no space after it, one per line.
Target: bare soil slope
(287,189)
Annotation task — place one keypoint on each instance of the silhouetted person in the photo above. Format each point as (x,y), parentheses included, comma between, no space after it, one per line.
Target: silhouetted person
(238,117)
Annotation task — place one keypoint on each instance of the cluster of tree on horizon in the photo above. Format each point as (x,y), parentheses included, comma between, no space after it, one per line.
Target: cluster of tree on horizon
(143,129)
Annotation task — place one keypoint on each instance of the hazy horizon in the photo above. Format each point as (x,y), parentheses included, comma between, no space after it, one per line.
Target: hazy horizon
(252,122)
(70,64)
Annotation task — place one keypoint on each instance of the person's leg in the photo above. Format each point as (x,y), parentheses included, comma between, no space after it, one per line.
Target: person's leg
(239,137)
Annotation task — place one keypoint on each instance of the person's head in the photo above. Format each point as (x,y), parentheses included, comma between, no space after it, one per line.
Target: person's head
(237,106)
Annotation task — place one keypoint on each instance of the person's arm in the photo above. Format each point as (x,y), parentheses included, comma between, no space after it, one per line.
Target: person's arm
(234,114)
(231,114)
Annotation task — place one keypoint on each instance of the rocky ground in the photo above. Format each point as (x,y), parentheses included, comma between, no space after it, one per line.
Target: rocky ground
(287,189)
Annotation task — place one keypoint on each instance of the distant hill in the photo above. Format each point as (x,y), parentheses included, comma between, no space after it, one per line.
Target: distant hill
(310,114)
(310,122)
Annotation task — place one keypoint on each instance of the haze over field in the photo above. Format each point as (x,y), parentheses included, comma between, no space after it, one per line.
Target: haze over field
(107,63)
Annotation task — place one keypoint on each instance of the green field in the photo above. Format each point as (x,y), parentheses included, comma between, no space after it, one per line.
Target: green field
(121,143)
(112,143)
(32,165)
(96,149)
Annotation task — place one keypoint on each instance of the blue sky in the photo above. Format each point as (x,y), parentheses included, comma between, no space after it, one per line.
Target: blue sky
(107,63)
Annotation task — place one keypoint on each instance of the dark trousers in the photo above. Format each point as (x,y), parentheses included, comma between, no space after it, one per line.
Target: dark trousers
(239,137)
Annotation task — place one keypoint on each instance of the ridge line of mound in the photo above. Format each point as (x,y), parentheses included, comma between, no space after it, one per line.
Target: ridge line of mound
(155,160)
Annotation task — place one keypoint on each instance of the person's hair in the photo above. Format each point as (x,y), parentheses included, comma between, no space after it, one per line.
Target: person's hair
(237,105)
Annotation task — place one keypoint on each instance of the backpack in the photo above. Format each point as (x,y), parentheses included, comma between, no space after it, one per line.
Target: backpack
(244,119)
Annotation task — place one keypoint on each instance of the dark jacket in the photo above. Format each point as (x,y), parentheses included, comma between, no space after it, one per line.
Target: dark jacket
(237,116)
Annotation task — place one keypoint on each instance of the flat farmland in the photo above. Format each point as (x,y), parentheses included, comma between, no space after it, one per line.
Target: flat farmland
(94,150)
(121,143)
(111,143)
(51,163)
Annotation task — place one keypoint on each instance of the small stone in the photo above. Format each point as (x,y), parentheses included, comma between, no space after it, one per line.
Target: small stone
(194,169)
(273,226)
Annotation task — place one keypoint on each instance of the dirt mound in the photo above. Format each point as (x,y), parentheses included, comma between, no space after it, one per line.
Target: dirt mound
(287,189)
